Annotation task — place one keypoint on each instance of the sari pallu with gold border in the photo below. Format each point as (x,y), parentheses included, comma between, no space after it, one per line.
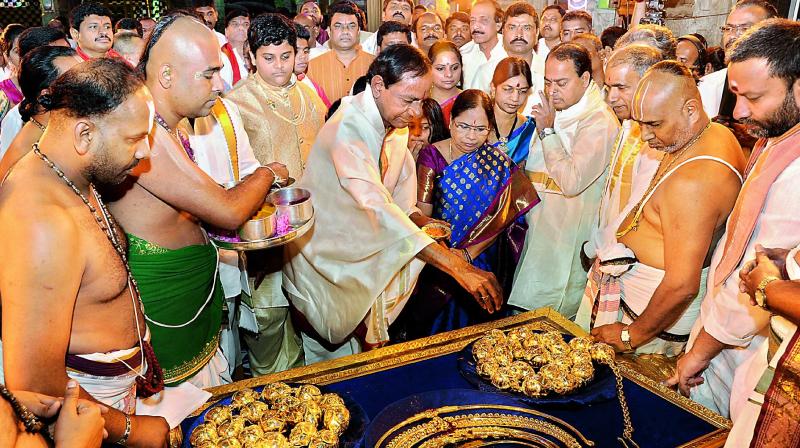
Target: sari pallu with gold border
(482,195)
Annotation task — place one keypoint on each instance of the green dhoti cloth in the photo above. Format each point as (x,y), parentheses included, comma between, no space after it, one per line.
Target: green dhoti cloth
(182,299)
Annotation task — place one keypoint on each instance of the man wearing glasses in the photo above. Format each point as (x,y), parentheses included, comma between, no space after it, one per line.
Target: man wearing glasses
(567,165)
(350,277)
(337,70)
(744,15)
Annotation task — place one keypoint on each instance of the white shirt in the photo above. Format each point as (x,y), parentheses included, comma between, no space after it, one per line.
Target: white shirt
(10,127)
(542,49)
(227,70)
(370,45)
(473,58)
(711,87)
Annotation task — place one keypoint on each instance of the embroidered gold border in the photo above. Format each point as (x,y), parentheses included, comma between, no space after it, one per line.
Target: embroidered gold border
(192,366)
(409,352)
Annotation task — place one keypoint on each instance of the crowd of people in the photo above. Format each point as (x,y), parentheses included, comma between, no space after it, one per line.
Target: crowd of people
(639,184)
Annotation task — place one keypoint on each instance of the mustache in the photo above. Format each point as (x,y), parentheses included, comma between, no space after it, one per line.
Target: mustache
(519,39)
(547,27)
(431,36)
(477,32)
(399,14)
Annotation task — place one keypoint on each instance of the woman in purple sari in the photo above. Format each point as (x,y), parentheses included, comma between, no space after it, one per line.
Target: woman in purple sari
(484,196)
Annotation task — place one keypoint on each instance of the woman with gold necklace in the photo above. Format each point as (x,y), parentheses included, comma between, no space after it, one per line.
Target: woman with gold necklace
(484,196)
(40,67)
(511,85)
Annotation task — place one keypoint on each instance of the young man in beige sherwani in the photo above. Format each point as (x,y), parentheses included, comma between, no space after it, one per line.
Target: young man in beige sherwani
(281,117)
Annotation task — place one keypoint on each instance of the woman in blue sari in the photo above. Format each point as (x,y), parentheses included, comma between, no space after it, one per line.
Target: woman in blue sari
(511,85)
(483,195)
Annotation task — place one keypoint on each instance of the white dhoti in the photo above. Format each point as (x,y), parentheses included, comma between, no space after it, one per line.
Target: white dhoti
(624,298)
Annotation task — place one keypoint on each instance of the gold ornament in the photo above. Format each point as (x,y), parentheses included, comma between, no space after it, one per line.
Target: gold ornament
(274,391)
(275,440)
(229,443)
(204,432)
(331,400)
(308,392)
(324,439)
(251,434)
(336,419)
(602,353)
(254,411)
(243,397)
(218,415)
(232,427)
(580,343)
(302,433)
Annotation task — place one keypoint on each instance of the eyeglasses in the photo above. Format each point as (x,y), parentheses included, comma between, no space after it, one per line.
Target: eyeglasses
(465,128)
(735,28)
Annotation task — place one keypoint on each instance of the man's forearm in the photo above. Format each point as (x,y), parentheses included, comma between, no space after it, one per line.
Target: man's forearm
(439,257)
(114,419)
(664,309)
(707,346)
(783,298)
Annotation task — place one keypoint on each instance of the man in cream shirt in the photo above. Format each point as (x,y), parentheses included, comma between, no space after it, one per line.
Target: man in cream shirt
(486,48)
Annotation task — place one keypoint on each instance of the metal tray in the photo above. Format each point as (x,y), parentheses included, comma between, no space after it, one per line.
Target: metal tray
(274,241)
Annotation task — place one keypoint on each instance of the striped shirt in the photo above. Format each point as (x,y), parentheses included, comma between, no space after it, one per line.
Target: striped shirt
(333,77)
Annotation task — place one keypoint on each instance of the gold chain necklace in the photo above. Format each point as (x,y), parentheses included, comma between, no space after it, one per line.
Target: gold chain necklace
(275,98)
(637,210)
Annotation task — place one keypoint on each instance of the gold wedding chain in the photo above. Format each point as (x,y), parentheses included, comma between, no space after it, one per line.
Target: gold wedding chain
(439,424)
(627,431)
(637,210)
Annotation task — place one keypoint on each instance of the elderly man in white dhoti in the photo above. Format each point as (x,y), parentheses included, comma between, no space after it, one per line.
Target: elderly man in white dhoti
(645,292)
(354,271)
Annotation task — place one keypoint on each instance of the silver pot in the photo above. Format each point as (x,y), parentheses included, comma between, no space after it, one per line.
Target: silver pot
(293,202)
(258,229)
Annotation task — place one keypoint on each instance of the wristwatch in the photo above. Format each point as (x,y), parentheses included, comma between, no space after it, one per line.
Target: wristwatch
(545,132)
(625,336)
(761,294)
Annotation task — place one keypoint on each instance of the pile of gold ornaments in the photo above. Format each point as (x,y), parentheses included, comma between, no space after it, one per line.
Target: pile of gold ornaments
(280,416)
(537,364)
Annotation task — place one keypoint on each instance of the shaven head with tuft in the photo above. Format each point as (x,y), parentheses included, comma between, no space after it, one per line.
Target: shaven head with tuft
(667,106)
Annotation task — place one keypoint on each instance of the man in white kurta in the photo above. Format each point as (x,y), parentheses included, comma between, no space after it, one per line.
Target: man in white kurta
(567,165)
(359,258)
(767,212)
(360,262)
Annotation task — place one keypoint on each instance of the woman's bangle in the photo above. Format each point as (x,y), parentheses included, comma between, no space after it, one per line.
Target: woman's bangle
(467,256)
(124,439)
